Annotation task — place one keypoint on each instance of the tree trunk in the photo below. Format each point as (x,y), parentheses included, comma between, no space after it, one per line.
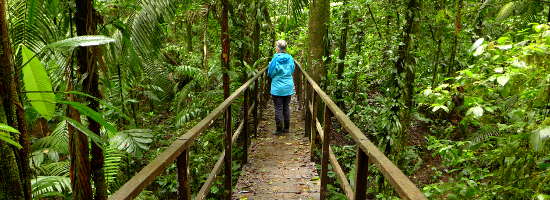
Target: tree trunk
(15,116)
(205,42)
(458,26)
(256,33)
(402,64)
(86,25)
(225,67)
(189,27)
(271,27)
(79,151)
(342,55)
(318,36)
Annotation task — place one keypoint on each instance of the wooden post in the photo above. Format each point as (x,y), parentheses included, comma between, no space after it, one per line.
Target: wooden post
(307,113)
(245,128)
(313,122)
(361,178)
(255,112)
(227,158)
(298,84)
(326,144)
(184,191)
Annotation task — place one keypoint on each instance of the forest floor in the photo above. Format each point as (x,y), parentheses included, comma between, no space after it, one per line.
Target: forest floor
(279,166)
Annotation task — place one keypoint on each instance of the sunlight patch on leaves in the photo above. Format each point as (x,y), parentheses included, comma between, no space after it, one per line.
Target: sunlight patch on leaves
(81,41)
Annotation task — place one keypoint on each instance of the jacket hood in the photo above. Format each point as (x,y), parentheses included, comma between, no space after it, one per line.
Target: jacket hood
(283,58)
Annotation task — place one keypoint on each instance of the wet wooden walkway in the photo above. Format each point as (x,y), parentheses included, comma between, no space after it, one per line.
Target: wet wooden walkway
(279,167)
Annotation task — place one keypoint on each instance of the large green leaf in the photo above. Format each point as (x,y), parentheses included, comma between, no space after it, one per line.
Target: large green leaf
(94,137)
(85,110)
(38,86)
(82,41)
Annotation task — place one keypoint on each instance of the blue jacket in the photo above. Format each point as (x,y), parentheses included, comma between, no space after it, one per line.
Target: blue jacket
(280,71)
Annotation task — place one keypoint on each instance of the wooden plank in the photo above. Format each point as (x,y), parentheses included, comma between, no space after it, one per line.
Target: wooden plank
(336,167)
(361,176)
(184,191)
(325,150)
(148,174)
(400,182)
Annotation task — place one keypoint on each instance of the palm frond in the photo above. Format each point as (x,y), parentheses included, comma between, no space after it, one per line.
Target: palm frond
(132,141)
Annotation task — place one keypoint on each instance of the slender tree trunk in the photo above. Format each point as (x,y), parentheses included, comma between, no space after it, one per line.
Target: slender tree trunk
(86,56)
(12,179)
(403,67)
(189,27)
(271,27)
(319,13)
(458,26)
(79,151)
(374,21)
(256,33)
(342,55)
(226,92)
(205,42)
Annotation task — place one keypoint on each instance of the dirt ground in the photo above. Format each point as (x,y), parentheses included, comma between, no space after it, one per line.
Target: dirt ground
(279,166)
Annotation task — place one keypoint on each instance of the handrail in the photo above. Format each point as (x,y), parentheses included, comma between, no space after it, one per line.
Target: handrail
(178,149)
(366,149)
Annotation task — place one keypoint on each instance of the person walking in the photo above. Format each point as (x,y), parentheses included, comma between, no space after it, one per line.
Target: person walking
(280,71)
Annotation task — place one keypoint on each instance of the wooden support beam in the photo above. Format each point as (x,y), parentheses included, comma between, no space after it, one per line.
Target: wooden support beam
(361,178)
(324,157)
(184,191)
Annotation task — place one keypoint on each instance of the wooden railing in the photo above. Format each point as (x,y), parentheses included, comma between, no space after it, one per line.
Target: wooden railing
(309,93)
(366,152)
(178,150)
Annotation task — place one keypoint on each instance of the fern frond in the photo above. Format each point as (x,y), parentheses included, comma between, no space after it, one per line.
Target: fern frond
(113,161)
(58,141)
(188,115)
(50,186)
(54,169)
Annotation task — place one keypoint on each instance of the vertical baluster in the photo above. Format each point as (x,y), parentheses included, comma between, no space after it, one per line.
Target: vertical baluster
(313,122)
(227,158)
(184,191)
(245,127)
(256,104)
(361,178)
(324,159)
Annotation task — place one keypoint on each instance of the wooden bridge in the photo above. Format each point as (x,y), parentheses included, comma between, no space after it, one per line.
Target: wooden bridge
(255,91)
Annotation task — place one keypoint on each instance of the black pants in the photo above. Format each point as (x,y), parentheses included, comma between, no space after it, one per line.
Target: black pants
(282,110)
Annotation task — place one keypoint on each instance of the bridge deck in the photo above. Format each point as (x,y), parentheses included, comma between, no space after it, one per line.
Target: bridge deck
(279,166)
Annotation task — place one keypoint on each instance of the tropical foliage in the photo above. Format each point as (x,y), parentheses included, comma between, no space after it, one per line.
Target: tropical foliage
(457,93)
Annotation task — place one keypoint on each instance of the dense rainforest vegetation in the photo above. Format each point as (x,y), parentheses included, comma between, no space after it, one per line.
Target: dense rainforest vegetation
(455,92)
